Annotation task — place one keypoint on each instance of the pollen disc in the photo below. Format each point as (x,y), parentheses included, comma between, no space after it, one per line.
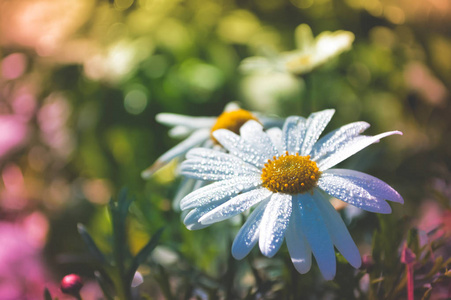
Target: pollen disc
(290,174)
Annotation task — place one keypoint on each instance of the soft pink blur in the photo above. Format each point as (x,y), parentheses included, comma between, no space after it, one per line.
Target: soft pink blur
(13,131)
(433,216)
(13,65)
(23,101)
(420,79)
(13,196)
(22,273)
(52,118)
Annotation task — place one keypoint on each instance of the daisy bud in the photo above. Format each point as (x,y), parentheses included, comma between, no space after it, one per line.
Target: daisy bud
(71,284)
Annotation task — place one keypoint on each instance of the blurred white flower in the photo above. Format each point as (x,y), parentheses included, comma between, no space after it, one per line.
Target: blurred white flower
(286,175)
(310,53)
(118,61)
(197,132)
(276,92)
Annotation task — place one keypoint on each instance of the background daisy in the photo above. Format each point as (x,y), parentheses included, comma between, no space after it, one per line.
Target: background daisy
(197,131)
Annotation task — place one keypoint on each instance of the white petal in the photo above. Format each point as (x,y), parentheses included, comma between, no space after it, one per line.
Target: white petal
(208,164)
(275,134)
(316,123)
(231,106)
(191,219)
(373,185)
(253,133)
(241,148)
(346,150)
(293,133)
(179,132)
(236,205)
(274,223)
(346,190)
(335,139)
(214,171)
(182,120)
(218,191)
(298,247)
(247,237)
(269,122)
(195,139)
(317,235)
(337,230)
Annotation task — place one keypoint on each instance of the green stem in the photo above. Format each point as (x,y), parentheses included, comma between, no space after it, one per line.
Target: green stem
(308,94)
(119,257)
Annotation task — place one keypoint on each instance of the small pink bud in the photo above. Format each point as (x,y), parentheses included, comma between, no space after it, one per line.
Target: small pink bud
(407,256)
(367,262)
(71,284)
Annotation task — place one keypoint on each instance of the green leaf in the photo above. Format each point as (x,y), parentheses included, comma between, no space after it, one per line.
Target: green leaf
(438,264)
(413,241)
(91,244)
(103,283)
(47,295)
(123,204)
(385,255)
(118,212)
(143,254)
(427,294)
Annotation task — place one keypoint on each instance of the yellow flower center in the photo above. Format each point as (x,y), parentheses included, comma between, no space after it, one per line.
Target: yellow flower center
(299,63)
(290,174)
(232,120)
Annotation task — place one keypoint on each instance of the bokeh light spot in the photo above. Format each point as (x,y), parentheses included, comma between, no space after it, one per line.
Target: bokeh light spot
(97,190)
(135,101)
(155,66)
(394,14)
(238,27)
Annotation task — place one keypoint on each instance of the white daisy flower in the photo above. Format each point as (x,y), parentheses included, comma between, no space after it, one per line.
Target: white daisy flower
(197,131)
(286,176)
(310,53)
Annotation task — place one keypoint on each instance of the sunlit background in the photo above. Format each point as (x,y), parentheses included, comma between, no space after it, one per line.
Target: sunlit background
(81,82)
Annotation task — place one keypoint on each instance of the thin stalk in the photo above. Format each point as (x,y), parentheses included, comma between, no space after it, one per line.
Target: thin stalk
(410,284)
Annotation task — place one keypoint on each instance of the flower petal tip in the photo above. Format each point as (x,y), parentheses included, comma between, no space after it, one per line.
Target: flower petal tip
(237,255)
(385,210)
(397,198)
(357,263)
(267,250)
(147,173)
